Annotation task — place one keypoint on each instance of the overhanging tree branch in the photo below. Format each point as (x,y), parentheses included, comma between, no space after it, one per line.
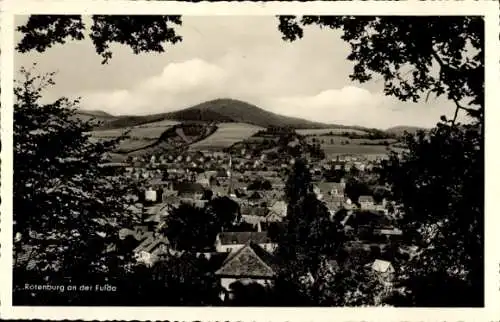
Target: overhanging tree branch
(444,67)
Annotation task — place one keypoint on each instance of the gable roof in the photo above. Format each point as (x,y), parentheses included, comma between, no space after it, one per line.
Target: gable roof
(144,244)
(219,190)
(279,207)
(365,199)
(255,195)
(326,187)
(150,243)
(189,187)
(333,265)
(157,209)
(139,232)
(249,261)
(124,232)
(382,266)
(334,199)
(27,256)
(274,217)
(253,220)
(243,237)
(368,218)
(386,231)
(254,211)
(172,200)
(157,242)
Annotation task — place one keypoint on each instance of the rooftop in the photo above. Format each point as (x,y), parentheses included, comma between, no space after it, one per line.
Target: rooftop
(249,261)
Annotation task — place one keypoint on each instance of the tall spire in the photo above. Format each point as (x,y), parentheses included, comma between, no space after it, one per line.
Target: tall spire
(230,175)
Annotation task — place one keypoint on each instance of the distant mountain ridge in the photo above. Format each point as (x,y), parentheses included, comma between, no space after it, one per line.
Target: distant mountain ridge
(231,110)
(220,111)
(97,113)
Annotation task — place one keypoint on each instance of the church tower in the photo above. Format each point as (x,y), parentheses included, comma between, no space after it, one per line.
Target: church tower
(230,176)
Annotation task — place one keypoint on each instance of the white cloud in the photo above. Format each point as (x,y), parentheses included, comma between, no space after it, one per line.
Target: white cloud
(351,105)
(119,101)
(171,89)
(185,77)
(347,105)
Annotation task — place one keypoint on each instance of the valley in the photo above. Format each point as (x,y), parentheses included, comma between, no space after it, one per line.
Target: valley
(230,124)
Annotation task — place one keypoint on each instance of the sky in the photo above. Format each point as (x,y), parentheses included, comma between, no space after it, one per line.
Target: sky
(230,57)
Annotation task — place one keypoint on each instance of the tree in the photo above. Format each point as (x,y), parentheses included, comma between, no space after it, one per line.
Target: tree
(66,211)
(439,180)
(207,194)
(308,236)
(190,228)
(225,211)
(351,284)
(310,232)
(141,33)
(180,280)
(249,294)
(260,184)
(356,187)
(298,184)
(442,196)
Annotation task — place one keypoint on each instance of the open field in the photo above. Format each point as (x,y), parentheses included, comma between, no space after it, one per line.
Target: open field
(145,131)
(107,134)
(337,149)
(353,149)
(164,124)
(127,145)
(226,135)
(326,131)
(332,145)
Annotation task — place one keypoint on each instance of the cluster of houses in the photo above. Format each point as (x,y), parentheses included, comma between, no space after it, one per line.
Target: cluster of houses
(242,256)
(248,255)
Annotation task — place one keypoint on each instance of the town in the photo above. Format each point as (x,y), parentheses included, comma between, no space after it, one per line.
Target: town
(253,188)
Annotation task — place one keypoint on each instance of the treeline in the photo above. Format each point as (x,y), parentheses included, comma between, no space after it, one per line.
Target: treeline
(370,135)
(275,130)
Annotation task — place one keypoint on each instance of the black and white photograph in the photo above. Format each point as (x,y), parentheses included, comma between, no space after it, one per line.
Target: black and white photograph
(279,160)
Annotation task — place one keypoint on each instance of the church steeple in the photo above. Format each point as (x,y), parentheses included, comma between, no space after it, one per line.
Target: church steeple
(230,176)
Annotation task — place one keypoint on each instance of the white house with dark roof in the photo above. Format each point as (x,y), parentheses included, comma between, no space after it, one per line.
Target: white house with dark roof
(383,269)
(279,208)
(329,189)
(249,264)
(366,202)
(232,241)
(150,249)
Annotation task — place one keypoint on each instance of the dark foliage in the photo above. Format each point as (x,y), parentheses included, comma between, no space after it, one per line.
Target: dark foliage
(66,210)
(140,33)
(443,200)
(194,229)
(260,184)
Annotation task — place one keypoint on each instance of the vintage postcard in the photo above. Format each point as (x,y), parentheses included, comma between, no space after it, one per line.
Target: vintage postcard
(278,161)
